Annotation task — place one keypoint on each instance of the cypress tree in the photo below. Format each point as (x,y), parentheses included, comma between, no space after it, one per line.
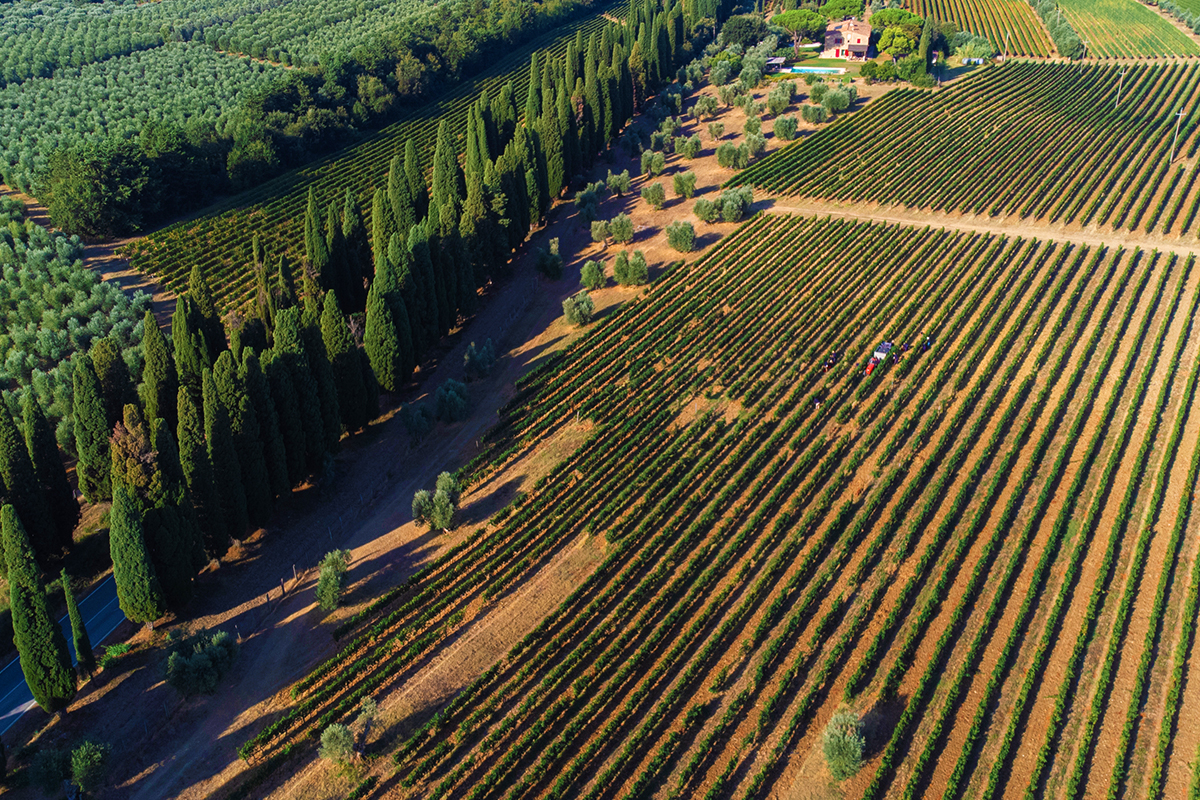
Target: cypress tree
(504,111)
(227,473)
(593,113)
(191,353)
(488,130)
(289,344)
(177,538)
(608,102)
(334,276)
(533,95)
(571,62)
(138,591)
(549,70)
(447,179)
(322,372)
(208,317)
(160,384)
(85,659)
(473,162)
(357,256)
(400,199)
(401,264)
(352,394)
(116,386)
(552,141)
(38,638)
(416,181)
(426,310)
(247,441)
(536,185)
(316,248)
(381,228)
(384,343)
(91,432)
(198,473)
(291,426)
(24,491)
(50,471)
(369,382)
(285,288)
(263,405)
(444,266)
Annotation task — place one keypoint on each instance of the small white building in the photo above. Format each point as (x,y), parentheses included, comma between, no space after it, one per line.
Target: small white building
(848,39)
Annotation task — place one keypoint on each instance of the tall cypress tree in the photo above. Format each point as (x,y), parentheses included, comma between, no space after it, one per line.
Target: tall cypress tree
(359,266)
(208,320)
(416,181)
(504,112)
(91,432)
(352,394)
(381,228)
(488,130)
(285,287)
(50,471)
(552,141)
(289,344)
(427,308)
(221,452)
(116,385)
(322,372)
(247,441)
(191,353)
(447,190)
(198,472)
(291,426)
(334,276)
(263,404)
(316,248)
(160,384)
(138,591)
(384,344)
(400,199)
(24,491)
(549,70)
(533,95)
(38,637)
(85,659)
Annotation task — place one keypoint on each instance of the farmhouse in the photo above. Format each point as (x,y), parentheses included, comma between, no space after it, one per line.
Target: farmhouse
(847,39)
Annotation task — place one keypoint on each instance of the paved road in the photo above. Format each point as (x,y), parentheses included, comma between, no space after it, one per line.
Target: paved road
(101,616)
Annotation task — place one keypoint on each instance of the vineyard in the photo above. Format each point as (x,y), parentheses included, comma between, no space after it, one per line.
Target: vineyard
(1075,144)
(1126,29)
(1011,21)
(946,544)
(219,243)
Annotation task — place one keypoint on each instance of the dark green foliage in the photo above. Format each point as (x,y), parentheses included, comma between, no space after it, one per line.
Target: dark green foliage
(332,579)
(291,426)
(785,128)
(316,249)
(843,745)
(631,270)
(384,343)
(24,491)
(49,768)
(89,765)
(681,236)
(198,472)
(578,308)
(322,371)
(358,264)
(263,405)
(655,195)
(247,438)
(684,184)
(478,361)
(227,472)
(620,227)
(416,180)
(195,664)
(549,262)
(50,471)
(289,345)
(38,638)
(85,659)
(450,401)
(160,384)
(208,318)
(592,275)
(352,394)
(191,352)
(116,387)
(171,526)
(447,191)
(285,287)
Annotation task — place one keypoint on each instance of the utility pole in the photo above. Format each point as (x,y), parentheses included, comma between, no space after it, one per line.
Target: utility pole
(1119,84)
(1178,120)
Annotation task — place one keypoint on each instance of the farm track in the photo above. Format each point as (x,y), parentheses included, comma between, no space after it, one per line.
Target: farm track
(923,540)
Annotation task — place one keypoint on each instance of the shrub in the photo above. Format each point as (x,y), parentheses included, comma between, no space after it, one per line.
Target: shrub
(753,125)
(592,275)
(655,195)
(706,210)
(195,664)
(89,765)
(688,146)
(478,361)
(599,230)
(618,184)
(587,201)
(631,270)
(418,420)
(681,236)
(332,577)
(578,308)
(658,162)
(818,91)
(647,157)
(735,203)
(836,101)
(337,744)
(113,653)
(726,154)
(755,144)
(49,768)
(620,228)
(671,125)
(436,509)
(843,744)
(716,130)
(785,128)
(684,184)
(450,401)
(549,262)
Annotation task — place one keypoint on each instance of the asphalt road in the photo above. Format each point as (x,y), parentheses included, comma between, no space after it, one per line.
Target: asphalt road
(101,616)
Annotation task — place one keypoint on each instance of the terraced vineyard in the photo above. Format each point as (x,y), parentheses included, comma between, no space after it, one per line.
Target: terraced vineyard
(1126,29)
(219,242)
(1035,140)
(948,544)
(1011,24)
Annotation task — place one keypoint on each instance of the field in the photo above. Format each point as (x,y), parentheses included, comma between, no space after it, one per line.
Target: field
(951,546)
(220,241)
(994,19)
(1126,29)
(1036,140)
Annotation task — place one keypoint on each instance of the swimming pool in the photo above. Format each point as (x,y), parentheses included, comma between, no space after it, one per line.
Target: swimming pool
(819,70)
